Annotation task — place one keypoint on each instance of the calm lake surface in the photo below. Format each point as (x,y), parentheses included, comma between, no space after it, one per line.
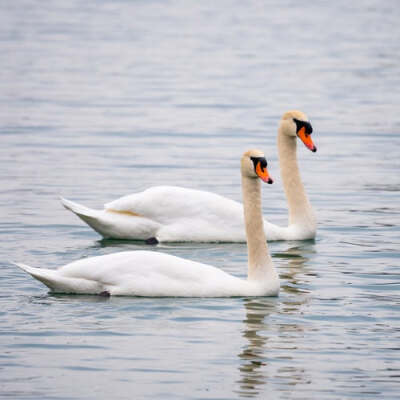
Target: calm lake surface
(101,99)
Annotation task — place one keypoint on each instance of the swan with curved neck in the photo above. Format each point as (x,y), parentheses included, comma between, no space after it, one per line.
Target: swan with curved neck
(176,214)
(146,273)
(302,222)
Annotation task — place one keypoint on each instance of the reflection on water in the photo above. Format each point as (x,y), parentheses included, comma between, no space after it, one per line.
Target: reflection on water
(295,260)
(262,338)
(254,356)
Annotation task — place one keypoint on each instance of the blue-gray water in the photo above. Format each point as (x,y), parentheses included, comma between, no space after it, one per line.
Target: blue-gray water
(100,99)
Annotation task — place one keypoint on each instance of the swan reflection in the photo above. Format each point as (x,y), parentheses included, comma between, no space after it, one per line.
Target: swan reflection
(268,356)
(253,357)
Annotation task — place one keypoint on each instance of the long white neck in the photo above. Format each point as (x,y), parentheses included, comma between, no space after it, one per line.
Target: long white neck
(300,210)
(259,261)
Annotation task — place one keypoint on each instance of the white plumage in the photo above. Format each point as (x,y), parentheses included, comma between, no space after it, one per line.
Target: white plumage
(176,214)
(149,274)
(146,273)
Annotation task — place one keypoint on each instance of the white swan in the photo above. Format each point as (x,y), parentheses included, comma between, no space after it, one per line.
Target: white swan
(176,214)
(146,273)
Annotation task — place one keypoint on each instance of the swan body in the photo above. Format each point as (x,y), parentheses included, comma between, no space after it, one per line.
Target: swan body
(147,273)
(176,214)
(181,215)
(168,213)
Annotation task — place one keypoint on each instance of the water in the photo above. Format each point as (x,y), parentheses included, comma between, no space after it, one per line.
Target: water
(102,99)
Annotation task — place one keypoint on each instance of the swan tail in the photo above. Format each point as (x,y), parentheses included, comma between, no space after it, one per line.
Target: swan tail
(58,283)
(114,223)
(96,219)
(46,276)
(78,209)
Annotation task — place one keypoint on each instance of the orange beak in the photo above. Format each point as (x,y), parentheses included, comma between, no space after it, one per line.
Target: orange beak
(263,173)
(306,139)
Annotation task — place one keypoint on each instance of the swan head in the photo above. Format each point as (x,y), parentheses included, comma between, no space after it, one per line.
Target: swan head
(296,123)
(254,165)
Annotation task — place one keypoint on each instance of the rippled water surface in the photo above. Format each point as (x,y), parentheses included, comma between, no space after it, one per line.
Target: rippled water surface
(100,99)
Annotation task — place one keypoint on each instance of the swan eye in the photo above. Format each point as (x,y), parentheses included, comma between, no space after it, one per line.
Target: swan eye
(301,124)
(259,160)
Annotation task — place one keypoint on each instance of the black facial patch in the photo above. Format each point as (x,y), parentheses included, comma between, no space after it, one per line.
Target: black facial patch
(261,160)
(301,124)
